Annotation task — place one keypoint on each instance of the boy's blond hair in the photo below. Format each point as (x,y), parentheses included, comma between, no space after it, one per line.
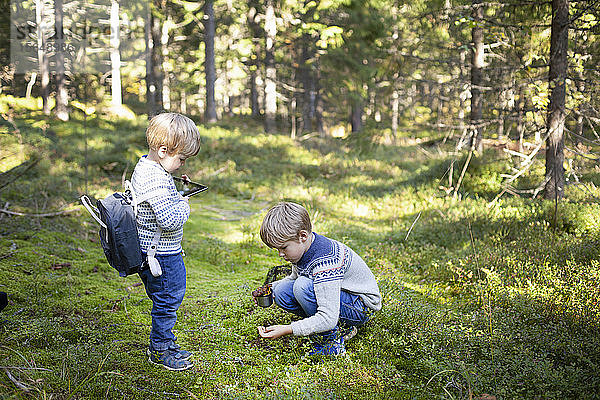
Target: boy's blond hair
(284,222)
(175,131)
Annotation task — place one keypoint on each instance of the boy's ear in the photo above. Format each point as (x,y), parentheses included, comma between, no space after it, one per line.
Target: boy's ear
(303,236)
(162,151)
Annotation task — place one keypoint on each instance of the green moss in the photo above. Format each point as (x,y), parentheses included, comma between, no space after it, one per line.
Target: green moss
(498,298)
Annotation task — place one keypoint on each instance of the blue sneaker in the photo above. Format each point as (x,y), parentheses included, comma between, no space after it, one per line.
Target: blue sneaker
(170,359)
(183,354)
(331,348)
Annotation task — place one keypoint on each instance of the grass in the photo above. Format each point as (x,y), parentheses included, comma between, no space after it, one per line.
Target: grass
(477,299)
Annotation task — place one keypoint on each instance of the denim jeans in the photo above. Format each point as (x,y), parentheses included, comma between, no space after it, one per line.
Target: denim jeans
(298,297)
(166,292)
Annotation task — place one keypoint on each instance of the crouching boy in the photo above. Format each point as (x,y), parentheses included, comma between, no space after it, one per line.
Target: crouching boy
(330,286)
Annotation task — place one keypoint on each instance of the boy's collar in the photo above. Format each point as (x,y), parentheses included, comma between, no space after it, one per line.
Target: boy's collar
(308,254)
(153,163)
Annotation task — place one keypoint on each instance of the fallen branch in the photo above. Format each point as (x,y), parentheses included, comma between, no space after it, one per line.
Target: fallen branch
(515,153)
(217,172)
(528,162)
(52,214)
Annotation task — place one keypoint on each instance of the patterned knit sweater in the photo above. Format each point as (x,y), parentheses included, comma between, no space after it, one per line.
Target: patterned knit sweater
(333,266)
(164,207)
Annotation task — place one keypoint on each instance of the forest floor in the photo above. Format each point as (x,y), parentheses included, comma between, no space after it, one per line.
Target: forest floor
(481,300)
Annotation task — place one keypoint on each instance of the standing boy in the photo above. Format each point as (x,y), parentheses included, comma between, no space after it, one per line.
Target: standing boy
(172,138)
(330,286)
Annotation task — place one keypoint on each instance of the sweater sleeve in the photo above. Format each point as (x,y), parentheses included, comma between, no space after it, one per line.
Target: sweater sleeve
(328,311)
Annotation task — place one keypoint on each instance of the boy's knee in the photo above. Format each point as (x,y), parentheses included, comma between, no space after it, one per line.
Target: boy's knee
(283,292)
(303,287)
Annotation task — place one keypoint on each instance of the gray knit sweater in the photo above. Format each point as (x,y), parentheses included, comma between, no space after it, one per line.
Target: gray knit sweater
(332,266)
(164,207)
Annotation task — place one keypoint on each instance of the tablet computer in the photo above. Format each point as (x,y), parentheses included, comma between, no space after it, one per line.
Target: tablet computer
(188,187)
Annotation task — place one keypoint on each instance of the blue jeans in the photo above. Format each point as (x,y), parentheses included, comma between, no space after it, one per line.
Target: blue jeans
(298,297)
(166,292)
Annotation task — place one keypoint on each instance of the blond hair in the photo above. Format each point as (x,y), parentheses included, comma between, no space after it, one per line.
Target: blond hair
(283,222)
(175,131)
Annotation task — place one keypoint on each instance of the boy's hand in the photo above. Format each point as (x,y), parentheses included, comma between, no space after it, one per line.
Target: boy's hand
(274,331)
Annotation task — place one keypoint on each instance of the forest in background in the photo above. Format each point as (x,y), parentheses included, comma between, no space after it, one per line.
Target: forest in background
(524,74)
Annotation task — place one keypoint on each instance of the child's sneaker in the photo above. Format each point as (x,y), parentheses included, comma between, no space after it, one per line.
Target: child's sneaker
(348,332)
(170,359)
(332,348)
(183,354)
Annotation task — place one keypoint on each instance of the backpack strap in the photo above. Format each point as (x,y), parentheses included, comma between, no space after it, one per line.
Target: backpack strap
(152,261)
(92,210)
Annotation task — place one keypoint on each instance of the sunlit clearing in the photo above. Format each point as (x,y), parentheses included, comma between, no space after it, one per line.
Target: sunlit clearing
(359,210)
(232,236)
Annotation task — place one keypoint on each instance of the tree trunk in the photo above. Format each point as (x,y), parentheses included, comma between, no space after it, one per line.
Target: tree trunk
(157,72)
(319,106)
(150,79)
(293,117)
(271,74)
(476,77)
(395,112)
(115,54)
(555,173)
(30,84)
(210,112)
(307,76)
(462,97)
(183,102)
(253,64)
(164,44)
(580,109)
(356,115)
(254,106)
(229,97)
(42,57)
(521,118)
(62,99)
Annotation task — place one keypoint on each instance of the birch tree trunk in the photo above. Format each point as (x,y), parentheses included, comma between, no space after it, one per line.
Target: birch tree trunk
(42,57)
(210,112)
(271,74)
(156,54)
(555,173)
(115,54)
(164,44)
(62,99)
(253,65)
(395,111)
(521,118)
(476,77)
